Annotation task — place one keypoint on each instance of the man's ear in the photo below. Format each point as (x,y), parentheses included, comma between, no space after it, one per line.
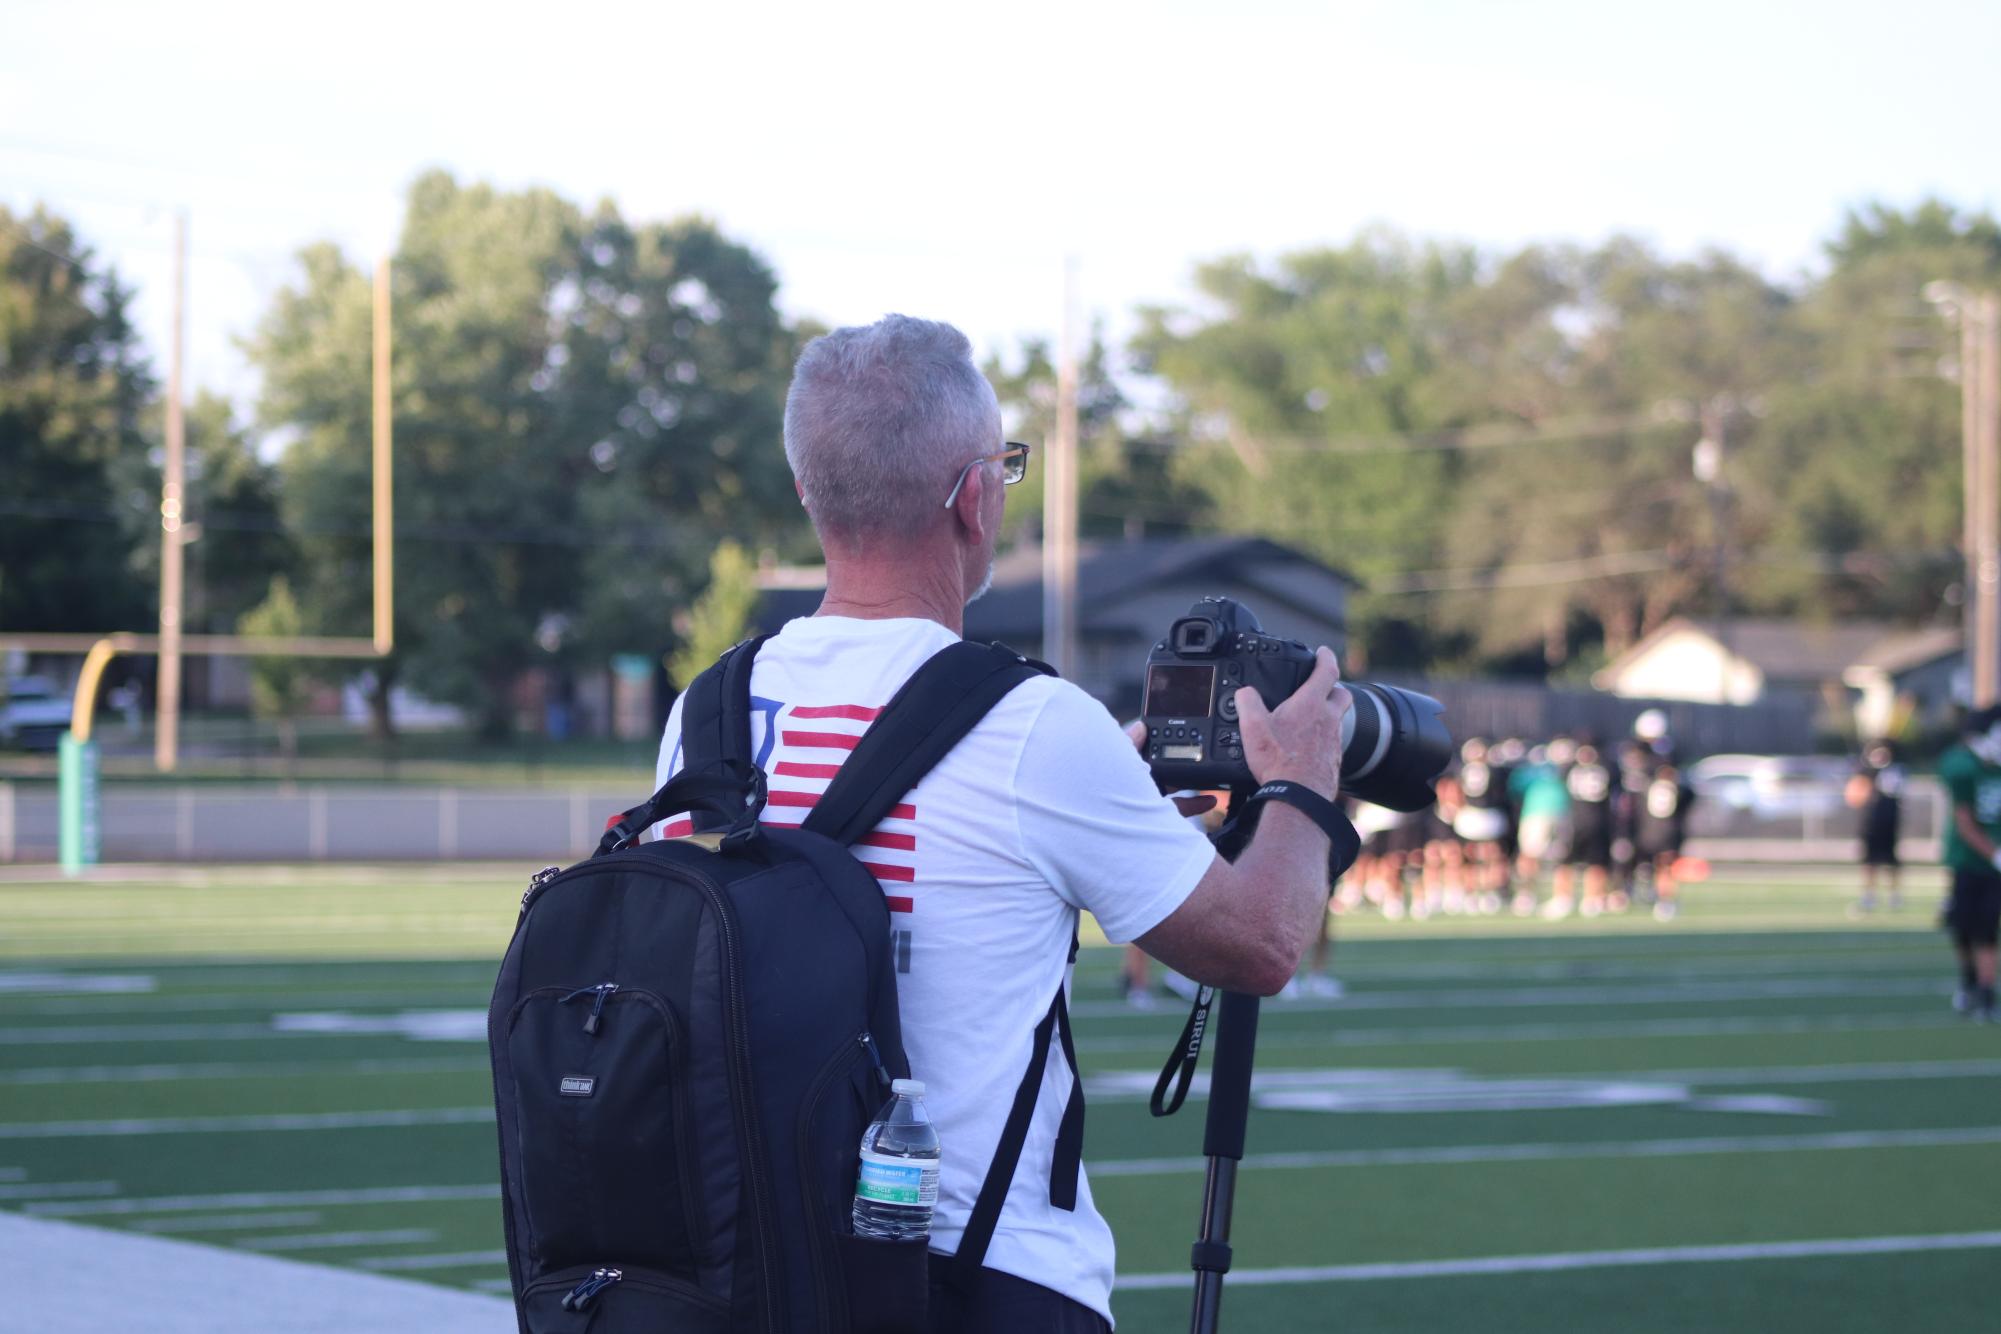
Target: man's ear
(969,507)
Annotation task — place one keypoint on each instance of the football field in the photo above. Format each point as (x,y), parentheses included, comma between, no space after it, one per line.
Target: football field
(1763,1117)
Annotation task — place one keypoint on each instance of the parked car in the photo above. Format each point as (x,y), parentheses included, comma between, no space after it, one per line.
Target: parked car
(33,713)
(1772,786)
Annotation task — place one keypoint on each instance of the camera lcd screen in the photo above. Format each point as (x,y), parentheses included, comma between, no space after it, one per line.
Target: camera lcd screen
(1193,752)
(1179,691)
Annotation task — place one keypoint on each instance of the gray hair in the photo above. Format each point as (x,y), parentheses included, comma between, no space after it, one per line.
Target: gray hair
(879,422)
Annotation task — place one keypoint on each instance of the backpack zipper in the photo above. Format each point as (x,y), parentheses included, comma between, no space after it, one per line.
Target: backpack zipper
(603,992)
(535,883)
(875,1058)
(746,1102)
(586,1292)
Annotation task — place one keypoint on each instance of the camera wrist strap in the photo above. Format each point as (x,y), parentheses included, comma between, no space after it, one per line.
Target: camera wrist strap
(1187,1054)
(1344,843)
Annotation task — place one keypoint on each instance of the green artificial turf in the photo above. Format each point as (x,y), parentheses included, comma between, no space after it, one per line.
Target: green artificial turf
(149,1107)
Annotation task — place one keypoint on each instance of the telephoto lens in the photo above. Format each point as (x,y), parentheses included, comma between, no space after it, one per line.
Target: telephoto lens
(1393,742)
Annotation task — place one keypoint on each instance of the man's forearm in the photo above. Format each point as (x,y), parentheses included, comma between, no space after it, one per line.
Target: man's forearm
(1284,872)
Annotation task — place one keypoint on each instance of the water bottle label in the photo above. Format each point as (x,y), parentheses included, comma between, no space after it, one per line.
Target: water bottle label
(888,1179)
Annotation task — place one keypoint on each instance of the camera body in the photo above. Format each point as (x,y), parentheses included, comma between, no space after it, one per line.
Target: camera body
(1192,679)
(1393,744)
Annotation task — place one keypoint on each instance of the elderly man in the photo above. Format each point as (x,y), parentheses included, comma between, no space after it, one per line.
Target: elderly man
(1044,809)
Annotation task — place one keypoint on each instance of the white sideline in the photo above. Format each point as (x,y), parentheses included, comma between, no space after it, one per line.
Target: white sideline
(63,1276)
(1542,1264)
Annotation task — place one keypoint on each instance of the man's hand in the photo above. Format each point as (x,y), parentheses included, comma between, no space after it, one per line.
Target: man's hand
(1194,805)
(1300,740)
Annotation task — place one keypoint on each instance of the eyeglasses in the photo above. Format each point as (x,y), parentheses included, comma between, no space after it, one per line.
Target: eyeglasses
(1014,467)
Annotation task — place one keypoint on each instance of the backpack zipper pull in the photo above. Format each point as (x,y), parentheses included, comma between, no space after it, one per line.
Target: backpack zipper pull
(536,881)
(875,1058)
(603,992)
(587,1291)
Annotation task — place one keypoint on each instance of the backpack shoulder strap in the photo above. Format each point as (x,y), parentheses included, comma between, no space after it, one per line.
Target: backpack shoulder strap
(715,715)
(941,702)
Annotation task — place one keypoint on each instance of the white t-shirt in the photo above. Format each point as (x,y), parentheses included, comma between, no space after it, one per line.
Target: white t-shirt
(1044,808)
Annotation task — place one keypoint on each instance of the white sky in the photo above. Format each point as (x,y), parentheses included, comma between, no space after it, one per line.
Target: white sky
(943,159)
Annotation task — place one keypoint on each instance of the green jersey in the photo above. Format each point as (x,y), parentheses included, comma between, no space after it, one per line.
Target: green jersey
(1973,783)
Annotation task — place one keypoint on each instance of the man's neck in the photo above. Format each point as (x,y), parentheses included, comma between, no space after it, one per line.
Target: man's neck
(880,589)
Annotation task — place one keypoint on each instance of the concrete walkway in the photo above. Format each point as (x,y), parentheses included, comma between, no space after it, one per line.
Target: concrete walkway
(61,1278)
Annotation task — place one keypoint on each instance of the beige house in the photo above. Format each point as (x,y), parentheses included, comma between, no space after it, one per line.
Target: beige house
(1859,673)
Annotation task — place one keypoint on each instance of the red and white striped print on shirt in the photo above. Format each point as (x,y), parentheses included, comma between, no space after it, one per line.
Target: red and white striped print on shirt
(814,740)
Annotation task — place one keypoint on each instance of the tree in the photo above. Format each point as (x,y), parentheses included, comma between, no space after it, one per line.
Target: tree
(1305,399)
(1621,359)
(669,376)
(1861,476)
(279,683)
(583,409)
(79,501)
(720,617)
(1122,487)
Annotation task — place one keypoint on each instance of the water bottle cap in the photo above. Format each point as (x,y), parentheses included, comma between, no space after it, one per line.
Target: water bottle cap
(914,1087)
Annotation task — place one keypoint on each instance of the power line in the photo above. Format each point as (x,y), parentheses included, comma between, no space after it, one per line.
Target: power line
(27,239)
(1545,574)
(1592,430)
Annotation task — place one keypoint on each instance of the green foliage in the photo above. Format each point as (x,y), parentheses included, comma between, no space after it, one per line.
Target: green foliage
(583,408)
(720,617)
(1501,446)
(279,683)
(79,503)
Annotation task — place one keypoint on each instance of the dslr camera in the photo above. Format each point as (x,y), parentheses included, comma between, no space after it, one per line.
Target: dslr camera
(1393,744)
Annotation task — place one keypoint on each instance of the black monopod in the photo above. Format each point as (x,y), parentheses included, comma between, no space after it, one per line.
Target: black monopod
(1229,1104)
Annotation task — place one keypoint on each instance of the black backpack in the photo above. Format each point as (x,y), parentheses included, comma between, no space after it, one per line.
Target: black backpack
(689,1037)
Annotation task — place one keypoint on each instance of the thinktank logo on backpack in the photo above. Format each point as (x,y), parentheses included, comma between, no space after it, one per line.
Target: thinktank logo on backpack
(690,1036)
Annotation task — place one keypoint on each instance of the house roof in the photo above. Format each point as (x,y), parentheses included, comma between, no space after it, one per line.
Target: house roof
(1107,573)
(1905,649)
(1110,572)
(1788,650)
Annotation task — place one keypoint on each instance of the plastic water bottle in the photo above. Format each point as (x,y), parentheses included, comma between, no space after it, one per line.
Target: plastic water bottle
(898,1187)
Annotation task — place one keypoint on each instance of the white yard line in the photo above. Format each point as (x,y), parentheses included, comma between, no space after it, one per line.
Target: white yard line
(1602,994)
(54,1036)
(214,1125)
(227,1222)
(249,1002)
(140,1074)
(1136,1086)
(1528,1153)
(452,1260)
(315,1241)
(267,1199)
(1863,1073)
(1570,1260)
(1610,1028)
(55,1190)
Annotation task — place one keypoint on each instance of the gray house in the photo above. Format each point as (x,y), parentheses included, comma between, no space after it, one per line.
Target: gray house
(1127,594)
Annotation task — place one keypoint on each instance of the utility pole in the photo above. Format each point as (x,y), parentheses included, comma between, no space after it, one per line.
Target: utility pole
(1714,415)
(385,528)
(173,515)
(1978,316)
(1987,545)
(1059,500)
